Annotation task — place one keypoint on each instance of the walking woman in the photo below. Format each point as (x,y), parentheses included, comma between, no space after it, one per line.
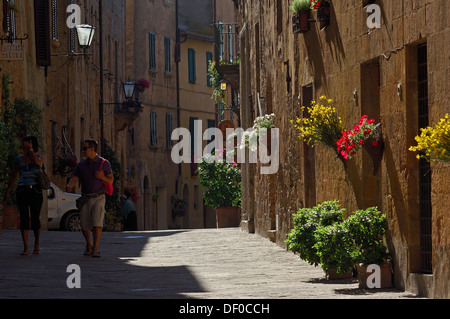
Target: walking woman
(28,193)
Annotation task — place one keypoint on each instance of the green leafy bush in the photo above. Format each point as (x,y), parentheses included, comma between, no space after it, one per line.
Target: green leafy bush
(334,248)
(302,239)
(221,181)
(366,228)
(321,237)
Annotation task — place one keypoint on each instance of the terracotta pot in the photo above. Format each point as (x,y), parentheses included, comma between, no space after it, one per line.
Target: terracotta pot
(300,22)
(10,218)
(375,147)
(333,275)
(386,275)
(323,15)
(227,217)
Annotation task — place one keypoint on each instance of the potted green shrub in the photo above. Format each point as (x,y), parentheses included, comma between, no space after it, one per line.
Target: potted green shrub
(307,221)
(302,15)
(221,182)
(333,246)
(366,229)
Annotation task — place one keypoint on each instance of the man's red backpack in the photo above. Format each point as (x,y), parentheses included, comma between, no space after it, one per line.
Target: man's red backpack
(108,187)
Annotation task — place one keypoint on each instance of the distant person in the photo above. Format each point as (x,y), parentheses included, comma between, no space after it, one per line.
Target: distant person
(29,192)
(92,212)
(128,213)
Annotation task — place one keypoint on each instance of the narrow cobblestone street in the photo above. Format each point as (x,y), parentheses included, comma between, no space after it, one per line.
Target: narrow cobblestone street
(199,264)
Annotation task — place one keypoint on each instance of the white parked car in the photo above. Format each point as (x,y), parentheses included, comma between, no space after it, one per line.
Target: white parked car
(62,210)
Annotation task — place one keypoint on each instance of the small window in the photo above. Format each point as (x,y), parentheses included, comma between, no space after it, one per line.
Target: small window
(169,120)
(55,35)
(42,32)
(153,131)
(152,51)
(192,131)
(192,72)
(168,67)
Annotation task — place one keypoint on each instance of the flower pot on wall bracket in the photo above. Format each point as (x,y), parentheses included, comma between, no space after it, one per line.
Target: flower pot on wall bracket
(323,15)
(375,147)
(300,22)
(343,160)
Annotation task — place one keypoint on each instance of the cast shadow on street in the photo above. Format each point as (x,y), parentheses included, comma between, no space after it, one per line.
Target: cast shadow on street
(115,275)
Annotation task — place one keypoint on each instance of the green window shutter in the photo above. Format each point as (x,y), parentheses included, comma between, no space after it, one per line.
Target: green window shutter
(152,50)
(42,32)
(191,59)
(153,131)
(167,54)
(192,131)
(169,142)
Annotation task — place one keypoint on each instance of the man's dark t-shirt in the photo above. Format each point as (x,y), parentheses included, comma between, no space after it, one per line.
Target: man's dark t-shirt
(86,170)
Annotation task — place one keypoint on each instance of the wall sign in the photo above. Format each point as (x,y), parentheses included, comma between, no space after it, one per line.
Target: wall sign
(11,51)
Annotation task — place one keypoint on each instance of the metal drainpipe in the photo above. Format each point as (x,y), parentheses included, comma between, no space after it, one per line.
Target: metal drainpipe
(101,111)
(177,60)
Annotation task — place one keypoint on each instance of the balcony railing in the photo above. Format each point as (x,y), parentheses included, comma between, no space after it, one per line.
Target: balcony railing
(226,40)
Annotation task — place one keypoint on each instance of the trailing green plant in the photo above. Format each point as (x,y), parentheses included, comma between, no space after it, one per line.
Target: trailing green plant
(220,180)
(366,229)
(302,238)
(299,6)
(215,79)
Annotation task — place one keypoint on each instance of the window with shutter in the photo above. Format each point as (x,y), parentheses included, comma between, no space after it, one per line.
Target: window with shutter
(169,142)
(191,59)
(192,132)
(42,26)
(55,35)
(152,50)
(153,131)
(168,67)
(9,21)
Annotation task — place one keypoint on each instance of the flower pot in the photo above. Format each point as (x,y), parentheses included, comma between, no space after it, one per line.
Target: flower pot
(300,22)
(10,218)
(375,147)
(385,273)
(334,275)
(323,15)
(227,217)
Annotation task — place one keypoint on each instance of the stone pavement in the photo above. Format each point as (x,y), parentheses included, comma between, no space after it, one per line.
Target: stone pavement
(176,264)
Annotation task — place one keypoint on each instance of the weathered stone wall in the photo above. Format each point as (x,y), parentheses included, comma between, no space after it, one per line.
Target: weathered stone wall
(361,70)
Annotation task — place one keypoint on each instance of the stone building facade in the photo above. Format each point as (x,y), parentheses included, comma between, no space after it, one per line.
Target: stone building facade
(170,43)
(151,41)
(78,89)
(373,71)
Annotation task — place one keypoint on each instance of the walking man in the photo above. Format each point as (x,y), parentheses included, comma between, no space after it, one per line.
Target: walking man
(93,172)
